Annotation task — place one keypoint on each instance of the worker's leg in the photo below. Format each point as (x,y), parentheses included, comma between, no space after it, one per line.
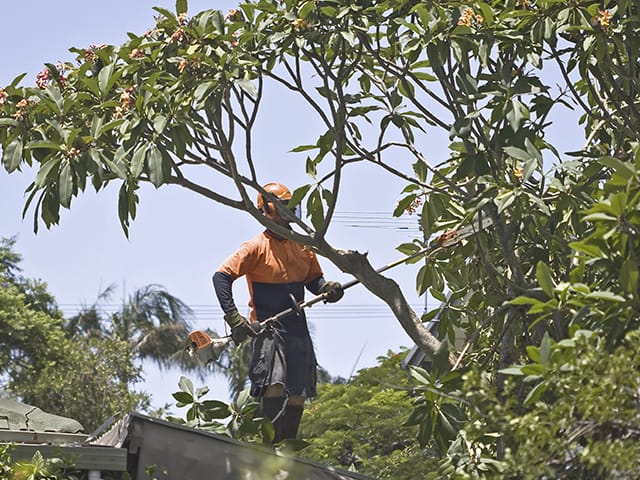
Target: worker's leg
(292,416)
(273,408)
(284,413)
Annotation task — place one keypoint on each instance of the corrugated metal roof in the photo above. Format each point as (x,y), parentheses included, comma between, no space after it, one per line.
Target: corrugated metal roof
(22,417)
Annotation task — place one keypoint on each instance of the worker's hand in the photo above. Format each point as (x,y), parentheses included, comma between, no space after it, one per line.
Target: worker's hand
(239,326)
(332,291)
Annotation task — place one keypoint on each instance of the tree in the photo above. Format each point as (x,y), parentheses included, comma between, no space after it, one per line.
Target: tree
(43,365)
(359,424)
(153,323)
(383,77)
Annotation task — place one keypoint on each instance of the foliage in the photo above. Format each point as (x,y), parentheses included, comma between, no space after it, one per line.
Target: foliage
(104,370)
(242,423)
(35,291)
(579,417)
(38,468)
(359,425)
(384,79)
(44,366)
(153,323)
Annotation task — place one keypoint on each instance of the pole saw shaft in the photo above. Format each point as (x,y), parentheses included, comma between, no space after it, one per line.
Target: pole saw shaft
(447,239)
(206,349)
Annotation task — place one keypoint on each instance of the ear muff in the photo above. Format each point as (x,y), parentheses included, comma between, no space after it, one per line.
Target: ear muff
(269,209)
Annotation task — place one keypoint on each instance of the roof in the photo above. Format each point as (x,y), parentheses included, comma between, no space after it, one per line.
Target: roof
(22,417)
(184,452)
(29,430)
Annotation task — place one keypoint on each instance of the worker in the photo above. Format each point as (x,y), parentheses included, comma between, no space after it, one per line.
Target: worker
(283,363)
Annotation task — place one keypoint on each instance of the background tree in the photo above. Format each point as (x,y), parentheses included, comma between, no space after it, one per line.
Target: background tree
(359,424)
(153,323)
(384,79)
(43,365)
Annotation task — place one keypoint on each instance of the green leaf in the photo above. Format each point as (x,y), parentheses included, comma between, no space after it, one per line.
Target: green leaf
(181,6)
(45,145)
(517,153)
(511,371)
(545,349)
(116,164)
(545,280)
(618,165)
(420,375)
(202,91)
(159,123)
(155,166)
(202,391)
(109,126)
(248,87)
(423,279)
(215,409)
(524,300)
(107,78)
(65,185)
(137,160)
(534,353)
(242,399)
(123,208)
(588,248)
(192,413)
(183,397)
(218,22)
(186,385)
(12,155)
(629,276)
(605,295)
(45,169)
(600,217)
(164,11)
(298,195)
(303,148)
(505,199)
(534,395)
(534,369)
(8,122)
(517,114)
(306,8)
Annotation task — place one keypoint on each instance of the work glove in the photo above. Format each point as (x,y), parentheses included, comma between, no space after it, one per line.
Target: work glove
(239,326)
(332,291)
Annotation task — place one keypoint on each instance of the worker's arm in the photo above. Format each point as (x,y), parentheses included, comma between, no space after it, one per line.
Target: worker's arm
(222,284)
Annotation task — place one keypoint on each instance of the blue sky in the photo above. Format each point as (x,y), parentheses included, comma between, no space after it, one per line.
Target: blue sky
(178,239)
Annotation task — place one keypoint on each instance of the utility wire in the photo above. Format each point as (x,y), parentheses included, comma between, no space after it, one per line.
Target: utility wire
(213,314)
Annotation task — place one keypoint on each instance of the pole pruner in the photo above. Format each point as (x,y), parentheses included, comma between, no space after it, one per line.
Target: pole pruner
(207,349)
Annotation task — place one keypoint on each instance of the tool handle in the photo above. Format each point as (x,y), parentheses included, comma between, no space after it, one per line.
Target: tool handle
(447,239)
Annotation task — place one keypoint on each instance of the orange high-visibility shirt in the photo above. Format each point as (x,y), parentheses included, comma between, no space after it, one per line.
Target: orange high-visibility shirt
(274,268)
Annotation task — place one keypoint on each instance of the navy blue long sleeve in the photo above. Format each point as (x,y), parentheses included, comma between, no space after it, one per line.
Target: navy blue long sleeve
(222,284)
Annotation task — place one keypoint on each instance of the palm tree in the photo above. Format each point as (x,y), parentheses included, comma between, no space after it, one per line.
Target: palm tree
(156,326)
(153,322)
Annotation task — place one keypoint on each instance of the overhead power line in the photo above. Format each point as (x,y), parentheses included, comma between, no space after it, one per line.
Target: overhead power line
(212,314)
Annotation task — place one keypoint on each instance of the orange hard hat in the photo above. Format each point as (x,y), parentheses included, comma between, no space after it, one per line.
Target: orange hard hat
(280,191)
